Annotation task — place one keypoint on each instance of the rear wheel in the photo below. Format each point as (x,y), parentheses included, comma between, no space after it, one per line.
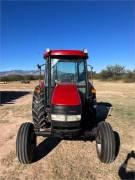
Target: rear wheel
(38,109)
(105,143)
(25,143)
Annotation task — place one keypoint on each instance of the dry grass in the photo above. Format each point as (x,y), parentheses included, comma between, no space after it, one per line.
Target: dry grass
(18,86)
(8,160)
(69,159)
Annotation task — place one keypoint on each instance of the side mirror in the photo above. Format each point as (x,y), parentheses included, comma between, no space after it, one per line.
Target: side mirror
(90,68)
(90,73)
(38,66)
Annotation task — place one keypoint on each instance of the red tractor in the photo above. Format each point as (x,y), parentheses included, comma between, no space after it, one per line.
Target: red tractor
(65,106)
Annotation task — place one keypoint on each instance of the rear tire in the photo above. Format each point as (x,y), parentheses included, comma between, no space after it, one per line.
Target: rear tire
(26,143)
(38,110)
(105,143)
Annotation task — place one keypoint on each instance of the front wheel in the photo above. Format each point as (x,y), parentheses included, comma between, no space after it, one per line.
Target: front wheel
(105,143)
(26,143)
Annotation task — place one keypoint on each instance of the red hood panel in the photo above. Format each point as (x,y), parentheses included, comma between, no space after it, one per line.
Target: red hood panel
(65,94)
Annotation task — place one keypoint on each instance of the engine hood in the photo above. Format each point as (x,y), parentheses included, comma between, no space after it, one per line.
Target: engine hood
(65,94)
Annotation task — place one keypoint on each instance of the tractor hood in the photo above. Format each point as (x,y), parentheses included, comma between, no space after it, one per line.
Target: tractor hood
(66,94)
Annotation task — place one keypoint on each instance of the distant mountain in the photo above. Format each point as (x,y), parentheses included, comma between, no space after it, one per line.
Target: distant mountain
(19,72)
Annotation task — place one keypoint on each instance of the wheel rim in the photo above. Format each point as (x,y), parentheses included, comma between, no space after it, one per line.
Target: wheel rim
(99,148)
(98,144)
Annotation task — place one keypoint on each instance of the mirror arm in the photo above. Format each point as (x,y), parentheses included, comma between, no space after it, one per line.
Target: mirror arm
(91,71)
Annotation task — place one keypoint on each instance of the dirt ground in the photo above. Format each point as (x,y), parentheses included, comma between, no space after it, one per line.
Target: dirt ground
(68,160)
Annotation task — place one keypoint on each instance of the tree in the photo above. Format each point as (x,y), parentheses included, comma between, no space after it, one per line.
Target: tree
(112,72)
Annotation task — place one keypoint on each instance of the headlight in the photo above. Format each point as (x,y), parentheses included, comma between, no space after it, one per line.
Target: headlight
(66,118)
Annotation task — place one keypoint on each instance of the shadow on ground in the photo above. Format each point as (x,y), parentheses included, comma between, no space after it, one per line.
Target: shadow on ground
(124,174)
(45,147)
(7,97)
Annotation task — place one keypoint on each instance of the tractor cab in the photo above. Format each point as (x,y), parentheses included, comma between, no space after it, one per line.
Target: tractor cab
(67,67)
(65,70)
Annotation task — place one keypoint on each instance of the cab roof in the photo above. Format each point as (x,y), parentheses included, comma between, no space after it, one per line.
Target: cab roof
(66,53)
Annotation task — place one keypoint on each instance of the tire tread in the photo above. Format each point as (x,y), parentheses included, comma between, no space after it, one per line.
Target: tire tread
(22,143)
(107,154)
(38,110)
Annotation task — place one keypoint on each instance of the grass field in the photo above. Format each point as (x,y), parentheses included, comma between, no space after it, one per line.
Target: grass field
(68,160)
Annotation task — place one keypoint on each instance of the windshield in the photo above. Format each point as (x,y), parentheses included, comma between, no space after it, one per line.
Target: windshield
(64,70)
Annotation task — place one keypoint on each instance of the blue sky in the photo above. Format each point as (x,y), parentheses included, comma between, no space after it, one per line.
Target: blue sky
(105,28)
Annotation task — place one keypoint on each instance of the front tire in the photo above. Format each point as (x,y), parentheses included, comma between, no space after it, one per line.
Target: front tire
(26,143)
(105,143)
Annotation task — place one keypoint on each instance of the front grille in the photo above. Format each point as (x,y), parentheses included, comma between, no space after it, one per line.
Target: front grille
(66,110)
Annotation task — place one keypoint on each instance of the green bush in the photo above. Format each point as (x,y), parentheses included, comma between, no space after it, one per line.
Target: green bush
(16,77)
(12,78)
(115,72)
(129,76)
